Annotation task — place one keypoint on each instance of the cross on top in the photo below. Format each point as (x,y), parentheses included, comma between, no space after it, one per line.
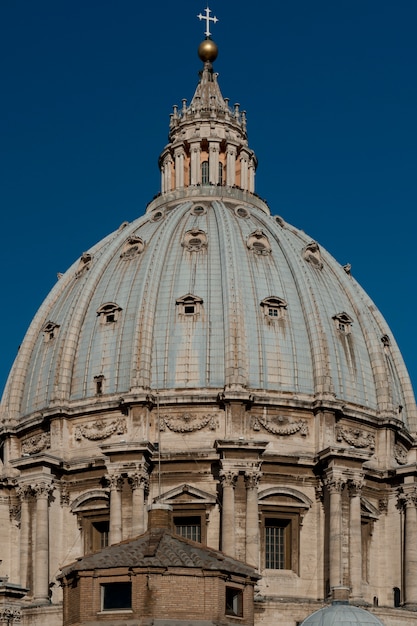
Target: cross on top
(208,20)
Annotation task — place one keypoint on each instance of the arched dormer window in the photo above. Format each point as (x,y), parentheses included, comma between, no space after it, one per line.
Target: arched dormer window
(84,264)
(109,313)
(50,331)
(133,246)
(189,306)
(343,323)
(205,173)
(195,240)
(258,243)
(274,308)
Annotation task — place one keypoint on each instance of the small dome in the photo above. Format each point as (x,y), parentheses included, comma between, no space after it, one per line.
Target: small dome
(341,615)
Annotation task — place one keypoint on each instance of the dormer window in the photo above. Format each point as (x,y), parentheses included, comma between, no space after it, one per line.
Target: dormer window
(49,331)
(99,383)
(274,308)
(258,242)
(133,246)
(189,306)
(84,264)
(312,254)
(343,323)
(109,313)
(199,210)
(195,240)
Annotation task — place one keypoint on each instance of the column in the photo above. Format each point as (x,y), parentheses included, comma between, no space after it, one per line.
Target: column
(115,526)
(355,537)
(139,482)
(244,171)
(410,547)
(231,166)
(179,167)
(42,491)
(24,493)
(335,486)
(252,478)
(251,186)
(195,165)
(213,163)
(228,478)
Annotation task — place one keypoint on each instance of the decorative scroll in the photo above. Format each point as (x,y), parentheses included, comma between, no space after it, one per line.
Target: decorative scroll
(280,425)
(400,454)
(101,429)
(187,423)
(36,443)
(356,437)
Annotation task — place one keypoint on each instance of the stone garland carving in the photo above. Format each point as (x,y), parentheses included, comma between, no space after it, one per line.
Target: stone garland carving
(101,429)
(280,425)
(187,423)
(400,454)
(356,437)
(36,443)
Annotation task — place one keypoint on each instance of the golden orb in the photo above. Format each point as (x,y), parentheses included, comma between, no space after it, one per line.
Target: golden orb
(208,50)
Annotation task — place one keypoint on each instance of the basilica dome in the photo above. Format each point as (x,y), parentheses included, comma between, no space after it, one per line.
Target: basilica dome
(209,290)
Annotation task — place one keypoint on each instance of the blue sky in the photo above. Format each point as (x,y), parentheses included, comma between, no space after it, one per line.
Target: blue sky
(331,95)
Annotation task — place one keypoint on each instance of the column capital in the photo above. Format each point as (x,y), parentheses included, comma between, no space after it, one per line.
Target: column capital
(114,481)
(355,485)
(24,492)
(334,483)
(42,489)
(407,497)
(228,477)
(138,479)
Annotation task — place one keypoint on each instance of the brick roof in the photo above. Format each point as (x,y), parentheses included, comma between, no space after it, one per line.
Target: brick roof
(160,548)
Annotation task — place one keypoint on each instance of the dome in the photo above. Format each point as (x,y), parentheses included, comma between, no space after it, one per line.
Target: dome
(341,615)
(205,292)
(209,291)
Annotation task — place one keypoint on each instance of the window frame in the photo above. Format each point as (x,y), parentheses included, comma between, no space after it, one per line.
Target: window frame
(290,520)
(233,597)
(115,585)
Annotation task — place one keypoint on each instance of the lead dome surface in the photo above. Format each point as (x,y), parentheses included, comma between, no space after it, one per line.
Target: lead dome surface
(271,312)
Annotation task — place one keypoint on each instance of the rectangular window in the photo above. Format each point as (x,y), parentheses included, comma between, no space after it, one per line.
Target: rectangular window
(277,544)
(188,527)
(116,596)
(100,535)
(234,602)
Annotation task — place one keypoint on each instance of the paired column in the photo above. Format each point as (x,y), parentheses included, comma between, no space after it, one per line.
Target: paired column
(42,491)
(409,501)
(231,165)
(115,527)
(139,482)
(355,536)
(335,485)
(252,478)
(228,479)
(24,493)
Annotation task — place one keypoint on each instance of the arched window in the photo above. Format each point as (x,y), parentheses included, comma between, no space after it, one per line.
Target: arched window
(205,172)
